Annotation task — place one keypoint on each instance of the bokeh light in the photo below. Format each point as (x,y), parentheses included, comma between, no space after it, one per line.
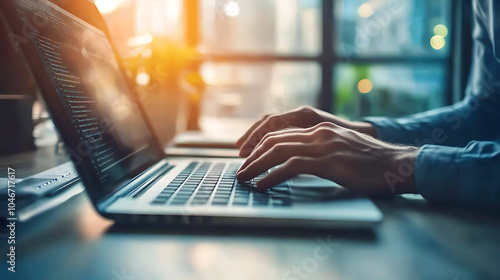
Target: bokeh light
(441,30)
(438,42)
(232,9)
(365,10)
(365,86)
(143,78)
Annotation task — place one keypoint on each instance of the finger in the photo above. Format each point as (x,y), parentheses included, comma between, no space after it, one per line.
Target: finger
(248,151)
(292,168)
(276,156)
(250,130)
(273,135)
(270,124)
(284,132)
(270,142)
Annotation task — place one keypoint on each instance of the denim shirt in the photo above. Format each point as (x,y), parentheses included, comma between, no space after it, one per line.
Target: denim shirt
(459,159)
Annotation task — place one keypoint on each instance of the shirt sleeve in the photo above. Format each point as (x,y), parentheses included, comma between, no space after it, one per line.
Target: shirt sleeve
(459,159)
(468,176)
(474,119)
(477,117)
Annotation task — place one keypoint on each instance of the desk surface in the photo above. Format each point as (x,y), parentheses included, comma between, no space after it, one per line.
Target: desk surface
(415,241)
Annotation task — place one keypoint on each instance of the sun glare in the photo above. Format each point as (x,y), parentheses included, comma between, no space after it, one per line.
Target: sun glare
(107,6)
(232,9)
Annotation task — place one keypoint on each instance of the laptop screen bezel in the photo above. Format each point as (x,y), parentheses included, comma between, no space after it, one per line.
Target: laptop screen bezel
(31,58)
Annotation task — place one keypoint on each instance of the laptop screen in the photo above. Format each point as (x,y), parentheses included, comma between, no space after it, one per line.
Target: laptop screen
(112,134)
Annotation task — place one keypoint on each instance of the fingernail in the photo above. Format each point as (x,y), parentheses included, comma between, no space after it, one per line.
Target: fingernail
(243,177)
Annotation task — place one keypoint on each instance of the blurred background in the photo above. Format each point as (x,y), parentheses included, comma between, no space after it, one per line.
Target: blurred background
(384,57)
(211,61)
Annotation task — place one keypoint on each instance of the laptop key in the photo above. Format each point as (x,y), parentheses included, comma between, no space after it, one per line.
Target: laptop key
(241,193)
(177,202)
(223,192)
(199,202)
(240,203)
(220,201)
(163,196)
(158,202)
(260,203)
(283,202)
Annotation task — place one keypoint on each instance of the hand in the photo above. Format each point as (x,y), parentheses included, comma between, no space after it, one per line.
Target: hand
(350,158)
(303,117)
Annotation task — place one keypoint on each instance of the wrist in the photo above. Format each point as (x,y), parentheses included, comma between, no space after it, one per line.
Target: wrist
(365,128)
(404,170)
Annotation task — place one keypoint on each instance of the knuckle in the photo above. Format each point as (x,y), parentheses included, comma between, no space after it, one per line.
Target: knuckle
(337,144)
(269,142)
(272,118)
(352,133)
(272,134)
(264,138)
(327,125)
(296,162)
(274,122)
(348,134)
(305,109)
(324,132)
(266,116)
(279,148)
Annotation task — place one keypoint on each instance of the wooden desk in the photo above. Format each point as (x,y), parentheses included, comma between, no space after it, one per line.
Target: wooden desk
(416,241)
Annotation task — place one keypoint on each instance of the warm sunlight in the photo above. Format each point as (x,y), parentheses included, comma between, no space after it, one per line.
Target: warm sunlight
(107,6)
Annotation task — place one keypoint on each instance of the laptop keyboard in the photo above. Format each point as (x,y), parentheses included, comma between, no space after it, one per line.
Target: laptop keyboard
(206,183)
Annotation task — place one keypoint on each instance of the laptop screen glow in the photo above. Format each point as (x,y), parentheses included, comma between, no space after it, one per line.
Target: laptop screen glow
(86,76)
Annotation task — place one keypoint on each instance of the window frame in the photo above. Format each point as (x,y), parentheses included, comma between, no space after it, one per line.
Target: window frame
(328,59)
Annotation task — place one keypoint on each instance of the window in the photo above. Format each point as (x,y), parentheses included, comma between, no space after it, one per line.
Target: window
(392,28)
(129,21)
(351,57)
(393,56)
(261,26)
(387,57)
(387,89)
(248,90)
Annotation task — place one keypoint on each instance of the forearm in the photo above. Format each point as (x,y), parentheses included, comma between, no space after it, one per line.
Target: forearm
(472,119)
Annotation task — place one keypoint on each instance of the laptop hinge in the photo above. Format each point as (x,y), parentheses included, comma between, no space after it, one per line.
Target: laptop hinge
(135,186)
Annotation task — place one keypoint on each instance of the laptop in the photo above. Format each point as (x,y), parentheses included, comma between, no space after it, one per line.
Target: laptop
(124,169)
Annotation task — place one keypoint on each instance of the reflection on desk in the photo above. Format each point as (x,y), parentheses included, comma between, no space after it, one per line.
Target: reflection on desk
(416,241)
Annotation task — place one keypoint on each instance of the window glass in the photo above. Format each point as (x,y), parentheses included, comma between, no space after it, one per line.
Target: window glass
(393,27)
(132,22)
(249,90)
(388,90)
(261,26)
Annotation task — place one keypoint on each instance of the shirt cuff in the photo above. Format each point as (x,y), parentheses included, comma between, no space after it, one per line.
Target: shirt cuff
(389,130)
(437,176)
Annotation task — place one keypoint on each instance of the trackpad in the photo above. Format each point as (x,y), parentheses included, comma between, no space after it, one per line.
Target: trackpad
(311,181)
